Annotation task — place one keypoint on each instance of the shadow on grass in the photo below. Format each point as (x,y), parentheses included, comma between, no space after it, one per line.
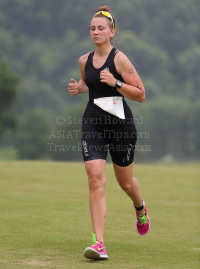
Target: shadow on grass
(95,261)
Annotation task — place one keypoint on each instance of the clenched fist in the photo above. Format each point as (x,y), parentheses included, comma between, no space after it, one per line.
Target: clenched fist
(73,87)
(107,77)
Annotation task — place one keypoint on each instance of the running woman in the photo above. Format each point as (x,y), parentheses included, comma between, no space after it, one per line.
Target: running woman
(109,77)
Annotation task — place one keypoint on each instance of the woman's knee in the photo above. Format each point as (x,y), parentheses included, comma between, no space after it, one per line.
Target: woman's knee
(128,185)
(96,174)
(96,182)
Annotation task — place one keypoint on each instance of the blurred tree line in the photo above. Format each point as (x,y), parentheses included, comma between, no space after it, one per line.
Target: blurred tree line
(42,41)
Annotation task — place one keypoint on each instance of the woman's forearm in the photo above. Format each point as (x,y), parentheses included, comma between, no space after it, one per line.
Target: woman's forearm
(132,93)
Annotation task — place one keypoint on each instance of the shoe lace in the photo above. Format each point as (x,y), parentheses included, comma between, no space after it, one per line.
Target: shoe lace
(143,219)
(94,241)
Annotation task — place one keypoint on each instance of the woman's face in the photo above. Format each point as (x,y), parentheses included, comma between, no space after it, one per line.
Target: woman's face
(100,30)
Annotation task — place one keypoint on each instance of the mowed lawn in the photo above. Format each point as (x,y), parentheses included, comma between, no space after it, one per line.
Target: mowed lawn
(45,220)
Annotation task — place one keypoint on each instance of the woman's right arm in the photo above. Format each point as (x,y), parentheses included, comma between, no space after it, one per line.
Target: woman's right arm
(79,87)
(82,62)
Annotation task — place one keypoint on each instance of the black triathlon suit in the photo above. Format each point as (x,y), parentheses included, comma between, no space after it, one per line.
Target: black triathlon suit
(102,131)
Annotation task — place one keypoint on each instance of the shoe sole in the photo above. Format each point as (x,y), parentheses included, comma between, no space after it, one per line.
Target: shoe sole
(92,254)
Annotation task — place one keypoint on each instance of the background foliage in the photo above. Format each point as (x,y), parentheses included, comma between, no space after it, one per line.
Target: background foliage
(42,41)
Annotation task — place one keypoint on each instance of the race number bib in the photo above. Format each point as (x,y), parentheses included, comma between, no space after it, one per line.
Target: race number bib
(113,105)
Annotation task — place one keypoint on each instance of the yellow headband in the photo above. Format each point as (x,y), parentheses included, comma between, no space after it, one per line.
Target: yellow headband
(106,14)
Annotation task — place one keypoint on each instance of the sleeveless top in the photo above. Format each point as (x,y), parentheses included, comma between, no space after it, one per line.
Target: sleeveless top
(99,89)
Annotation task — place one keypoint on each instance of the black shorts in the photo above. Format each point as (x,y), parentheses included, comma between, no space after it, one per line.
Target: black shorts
(103,132)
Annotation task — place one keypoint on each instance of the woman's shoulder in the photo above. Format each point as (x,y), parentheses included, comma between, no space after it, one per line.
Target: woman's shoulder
(120,56)
(83,59)
(121,61)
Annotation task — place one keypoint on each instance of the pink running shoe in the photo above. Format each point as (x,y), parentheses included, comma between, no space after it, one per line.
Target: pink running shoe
(143,222)
(97,251)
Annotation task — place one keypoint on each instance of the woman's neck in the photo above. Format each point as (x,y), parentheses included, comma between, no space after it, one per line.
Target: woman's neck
(103,50)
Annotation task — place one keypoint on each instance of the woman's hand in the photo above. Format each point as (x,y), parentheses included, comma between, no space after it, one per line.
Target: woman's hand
(73,87)
(108,78)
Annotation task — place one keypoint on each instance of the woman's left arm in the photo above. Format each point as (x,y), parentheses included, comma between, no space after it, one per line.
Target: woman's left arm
(133,87)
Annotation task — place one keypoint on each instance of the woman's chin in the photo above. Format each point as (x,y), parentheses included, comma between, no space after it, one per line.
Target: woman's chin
(96,41)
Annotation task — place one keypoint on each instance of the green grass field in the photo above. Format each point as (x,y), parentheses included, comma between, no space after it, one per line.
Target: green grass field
(45,220)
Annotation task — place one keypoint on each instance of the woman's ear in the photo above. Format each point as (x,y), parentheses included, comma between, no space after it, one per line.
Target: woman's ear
(113,32)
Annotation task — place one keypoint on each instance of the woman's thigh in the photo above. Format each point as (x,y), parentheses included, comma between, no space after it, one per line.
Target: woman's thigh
(96,171)
(124,175)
